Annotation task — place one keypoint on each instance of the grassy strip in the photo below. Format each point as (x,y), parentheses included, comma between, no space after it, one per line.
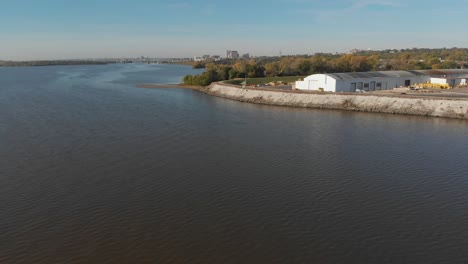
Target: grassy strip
(263,80)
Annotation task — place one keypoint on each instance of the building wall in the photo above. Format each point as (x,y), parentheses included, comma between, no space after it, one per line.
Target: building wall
(452,82)
(375,84)
(232,54)
(439,80)
(235,55)
(317,81)
(330,84)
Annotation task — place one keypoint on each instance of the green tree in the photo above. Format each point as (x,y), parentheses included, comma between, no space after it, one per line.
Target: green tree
(272,68)
(305,67)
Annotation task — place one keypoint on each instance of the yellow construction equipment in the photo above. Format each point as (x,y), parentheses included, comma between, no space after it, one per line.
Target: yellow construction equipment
(433,85)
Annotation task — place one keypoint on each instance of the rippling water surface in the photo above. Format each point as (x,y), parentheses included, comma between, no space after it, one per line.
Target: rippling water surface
(94,170)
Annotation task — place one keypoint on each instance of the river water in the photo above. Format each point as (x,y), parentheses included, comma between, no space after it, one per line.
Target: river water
(94,170)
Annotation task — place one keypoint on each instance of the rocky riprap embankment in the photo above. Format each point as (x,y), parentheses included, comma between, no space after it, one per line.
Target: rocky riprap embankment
(411,105)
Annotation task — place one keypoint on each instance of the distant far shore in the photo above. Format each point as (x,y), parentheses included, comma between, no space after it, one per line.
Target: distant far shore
(179,86)
(50,63)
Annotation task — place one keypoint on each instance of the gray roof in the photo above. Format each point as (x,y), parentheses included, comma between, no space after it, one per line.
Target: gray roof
(400,74)
(450,74)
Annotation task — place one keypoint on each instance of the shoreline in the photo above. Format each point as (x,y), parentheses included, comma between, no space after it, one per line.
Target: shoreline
(170,86)
(391,104)
(404,104)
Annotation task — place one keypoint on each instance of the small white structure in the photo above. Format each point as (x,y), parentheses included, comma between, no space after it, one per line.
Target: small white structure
(450,77)
(381,80)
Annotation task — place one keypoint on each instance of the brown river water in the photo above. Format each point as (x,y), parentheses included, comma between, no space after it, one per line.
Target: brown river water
(94,170)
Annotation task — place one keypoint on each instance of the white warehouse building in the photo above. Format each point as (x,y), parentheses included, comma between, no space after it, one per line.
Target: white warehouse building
(381,80)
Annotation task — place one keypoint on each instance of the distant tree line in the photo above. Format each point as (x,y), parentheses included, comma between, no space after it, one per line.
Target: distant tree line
(361,61)
(49,63)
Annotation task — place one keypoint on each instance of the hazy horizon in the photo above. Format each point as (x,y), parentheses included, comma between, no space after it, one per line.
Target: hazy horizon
(67,29)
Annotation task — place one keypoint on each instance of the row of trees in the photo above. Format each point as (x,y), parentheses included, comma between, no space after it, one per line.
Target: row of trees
(221,72)
(413,59)
(48,63)
(453,54)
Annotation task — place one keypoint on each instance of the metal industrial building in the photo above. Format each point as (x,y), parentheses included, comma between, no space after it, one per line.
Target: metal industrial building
(381,80)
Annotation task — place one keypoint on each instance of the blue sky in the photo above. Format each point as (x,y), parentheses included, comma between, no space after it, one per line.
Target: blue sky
(57,29)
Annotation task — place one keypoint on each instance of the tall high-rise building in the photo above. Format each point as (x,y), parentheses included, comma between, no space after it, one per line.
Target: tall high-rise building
(232,54)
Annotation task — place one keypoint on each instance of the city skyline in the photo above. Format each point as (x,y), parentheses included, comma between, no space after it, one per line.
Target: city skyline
(73,30)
